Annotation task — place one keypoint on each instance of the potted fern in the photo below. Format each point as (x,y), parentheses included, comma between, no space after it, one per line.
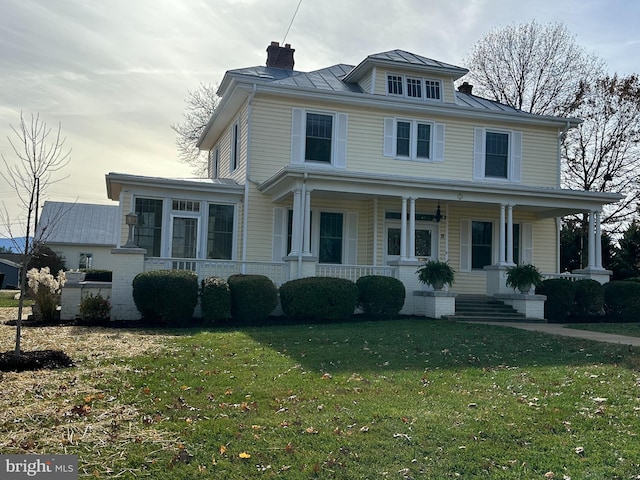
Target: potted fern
(436,273)
(522,277)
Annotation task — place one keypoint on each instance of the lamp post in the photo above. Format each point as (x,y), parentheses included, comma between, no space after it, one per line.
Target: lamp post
(131,220)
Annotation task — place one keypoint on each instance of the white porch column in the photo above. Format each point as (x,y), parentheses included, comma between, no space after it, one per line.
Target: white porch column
(598,241)
(510,234)
(306,241)
(296,227)
(502,243)
(591,241)
(403,229)
(412,228)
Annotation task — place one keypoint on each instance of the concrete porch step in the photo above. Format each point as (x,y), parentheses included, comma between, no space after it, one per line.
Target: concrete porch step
(481,308)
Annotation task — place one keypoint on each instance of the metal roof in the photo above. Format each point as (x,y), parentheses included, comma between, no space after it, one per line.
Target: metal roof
(79,223)
(402,56)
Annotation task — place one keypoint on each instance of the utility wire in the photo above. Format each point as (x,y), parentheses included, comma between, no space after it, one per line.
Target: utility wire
(292,19)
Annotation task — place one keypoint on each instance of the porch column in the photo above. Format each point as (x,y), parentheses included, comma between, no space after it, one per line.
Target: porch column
(591,241)
(412,228)
(295,228)
(510,234)
(306,235)
(598,241)
(403,229)
(502,243)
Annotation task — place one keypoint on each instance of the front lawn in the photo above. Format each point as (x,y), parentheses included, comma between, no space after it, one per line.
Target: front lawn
(7,299)
(391,399)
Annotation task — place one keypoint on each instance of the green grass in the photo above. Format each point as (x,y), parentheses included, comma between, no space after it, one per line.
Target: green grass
(7,300)
(388,399)
(629,329)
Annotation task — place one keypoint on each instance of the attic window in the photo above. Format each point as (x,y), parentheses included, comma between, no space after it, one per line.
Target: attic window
(414,87)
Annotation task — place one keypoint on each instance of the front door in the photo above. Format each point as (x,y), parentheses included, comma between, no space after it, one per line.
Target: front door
(426,239)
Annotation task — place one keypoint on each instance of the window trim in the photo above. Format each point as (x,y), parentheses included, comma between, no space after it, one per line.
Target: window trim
(234,229)
(338,138)
(333,136)
(404,82)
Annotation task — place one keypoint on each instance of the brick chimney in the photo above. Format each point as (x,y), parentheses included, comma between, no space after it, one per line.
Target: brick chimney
(466,87)
(280,57)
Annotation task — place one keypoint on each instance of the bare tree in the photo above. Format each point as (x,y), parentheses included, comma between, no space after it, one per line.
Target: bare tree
(199,106)
(532,67)
(39,155)
(603,153)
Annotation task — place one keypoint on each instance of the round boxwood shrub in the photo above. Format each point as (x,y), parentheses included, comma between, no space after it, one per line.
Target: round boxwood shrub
(560,295)
(215,299)
(253,298)
(622,301)
(319,298)
(379,295)
(589,298)
(168,296)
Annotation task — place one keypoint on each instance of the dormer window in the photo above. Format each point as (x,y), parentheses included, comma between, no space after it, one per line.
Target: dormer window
(413,87)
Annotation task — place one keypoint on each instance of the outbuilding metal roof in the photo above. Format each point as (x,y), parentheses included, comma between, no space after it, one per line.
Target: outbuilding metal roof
(79,224)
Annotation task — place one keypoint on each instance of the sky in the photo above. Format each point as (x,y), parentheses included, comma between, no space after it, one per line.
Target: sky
(114,74)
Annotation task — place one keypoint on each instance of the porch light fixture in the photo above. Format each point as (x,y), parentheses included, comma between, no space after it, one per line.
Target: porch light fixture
(438,215)
(131,220)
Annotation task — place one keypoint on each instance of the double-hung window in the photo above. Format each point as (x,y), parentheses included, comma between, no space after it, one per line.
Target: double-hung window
(148,231)
(220,231)
(497,155)
(414,139)
(319,137)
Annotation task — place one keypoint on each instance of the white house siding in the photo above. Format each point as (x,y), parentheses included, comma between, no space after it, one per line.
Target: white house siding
(366,83)
(101,255)
(260,226)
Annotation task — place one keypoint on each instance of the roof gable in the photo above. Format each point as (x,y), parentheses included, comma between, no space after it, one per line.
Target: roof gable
(79,223)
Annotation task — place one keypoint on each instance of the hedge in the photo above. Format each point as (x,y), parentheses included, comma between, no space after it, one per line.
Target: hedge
(168,296)
(319,298)
(622,301)
(380,296)
(589,298)
(215,300)
(253,298)
(560,295)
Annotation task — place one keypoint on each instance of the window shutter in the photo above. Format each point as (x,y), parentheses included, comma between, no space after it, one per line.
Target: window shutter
(478,153)
(527,243)
(351,244)
(297,135)
(516,157)
(340,158)
(279,233)
(438,151)
(465,245)
(389,134)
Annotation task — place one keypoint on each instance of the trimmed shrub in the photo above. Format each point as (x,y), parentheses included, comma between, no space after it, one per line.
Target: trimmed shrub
(380,296)
(95,309)
(560,295)
(253,298)
(319,298)
(215,300)
(622,301)
(589,298)
(94,275)
(169,296)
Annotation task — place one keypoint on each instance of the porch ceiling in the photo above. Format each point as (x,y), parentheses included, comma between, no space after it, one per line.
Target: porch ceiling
(329,183)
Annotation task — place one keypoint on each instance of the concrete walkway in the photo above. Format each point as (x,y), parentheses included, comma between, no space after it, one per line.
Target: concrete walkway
(559,329)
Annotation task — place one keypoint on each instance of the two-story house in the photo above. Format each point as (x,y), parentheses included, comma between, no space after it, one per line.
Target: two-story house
(367,169)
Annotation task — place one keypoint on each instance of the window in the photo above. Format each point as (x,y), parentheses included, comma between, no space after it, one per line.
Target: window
(394,84)
(318,137)
(481,244)
(413,139)
(497,155)
(220,232)
(235,147)
(185,205)
(184,240)
(148,232)
(85,261)
(416,87)
(330,245)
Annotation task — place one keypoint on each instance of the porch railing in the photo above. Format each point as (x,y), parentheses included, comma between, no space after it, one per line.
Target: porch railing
(572,277)
(277,272)
(354,272)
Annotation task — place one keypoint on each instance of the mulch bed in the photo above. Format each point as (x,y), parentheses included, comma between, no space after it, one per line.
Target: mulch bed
(34,360)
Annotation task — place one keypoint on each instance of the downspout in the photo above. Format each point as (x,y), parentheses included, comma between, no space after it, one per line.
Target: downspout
(245,217)
(446,232)
(375,232)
